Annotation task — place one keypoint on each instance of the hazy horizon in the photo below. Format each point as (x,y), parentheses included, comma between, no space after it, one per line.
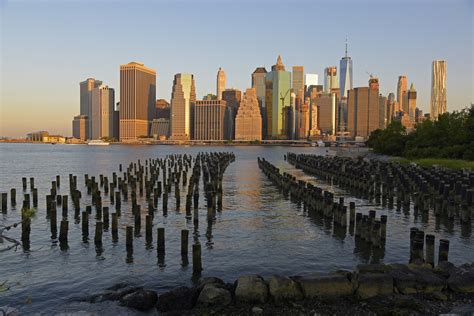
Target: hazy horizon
(48,47)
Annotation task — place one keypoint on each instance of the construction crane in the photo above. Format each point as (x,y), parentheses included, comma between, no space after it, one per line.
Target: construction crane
(371,75)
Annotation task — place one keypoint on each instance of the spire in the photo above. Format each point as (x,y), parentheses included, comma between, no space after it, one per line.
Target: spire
(412,87)
(279,64)
(346,47)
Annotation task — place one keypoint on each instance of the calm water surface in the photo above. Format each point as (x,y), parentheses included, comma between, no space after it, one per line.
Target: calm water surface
(258,231)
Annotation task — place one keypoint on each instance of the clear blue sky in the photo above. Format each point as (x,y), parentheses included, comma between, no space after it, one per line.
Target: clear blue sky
(48,47)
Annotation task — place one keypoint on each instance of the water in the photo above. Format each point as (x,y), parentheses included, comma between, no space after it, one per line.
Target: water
(258,231)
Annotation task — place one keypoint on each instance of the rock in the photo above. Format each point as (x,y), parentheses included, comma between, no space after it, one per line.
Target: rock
(440,296)
(325,286)
(142,300)
(257,310)
(461,280)
(374,284)
(251,289)
(411,281)
(212,295)
(9,311)
(182,298)
(115,295)
(283,288)
(444,269)
(210,280)
(371,268)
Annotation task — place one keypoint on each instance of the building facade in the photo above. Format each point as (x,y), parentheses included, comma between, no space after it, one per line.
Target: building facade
(411,99)
(330,79)
(160,128)
(103,106)
(221,82)
(438,89)
(209,118)
(80,126)
(363,110)
(85,97)
(401,93)
(137,100)
(277,96)
(327,113)
(345,79)
(248,122)
(298,77)
(183,98)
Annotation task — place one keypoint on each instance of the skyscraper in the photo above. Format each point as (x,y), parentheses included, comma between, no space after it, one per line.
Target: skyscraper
(232,98)
(86,88)
(363,109)
(79,127)
(327,113)
(221,81)
(103,106)
(137,100)
(411,97)
(390,107)
(382,111)
(345,80)
(401,93)
(277,96)
(248,122)
(209,117)
(438,89)
(298,79)
(183,98)
(330,79)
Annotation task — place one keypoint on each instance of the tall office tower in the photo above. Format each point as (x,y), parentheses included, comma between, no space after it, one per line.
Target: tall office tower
(103,106)
(232,97)
(277,96)
(298,78)
(401,93)
(383,111)
(390,107)
(363,110)
(411,97)
(327,113)
(209,117)
(438,89)
(79,127)
(248,122)
(137,100)
(345,80)
(330,79)
(303,120)
(258,83)
(183,98)
(221,81)
(86,88)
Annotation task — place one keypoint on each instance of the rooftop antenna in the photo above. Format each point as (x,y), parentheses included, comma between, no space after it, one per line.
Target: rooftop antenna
(346,47)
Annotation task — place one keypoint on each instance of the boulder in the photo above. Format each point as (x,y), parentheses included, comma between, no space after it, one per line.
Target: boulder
(326,286)
(373,284)
(444,269)
(419,280)
(9,311)
(212,295)
(142,300)
(461,280)
(372,268)
(182,298)
(210,280)
(251,289)
(283,288)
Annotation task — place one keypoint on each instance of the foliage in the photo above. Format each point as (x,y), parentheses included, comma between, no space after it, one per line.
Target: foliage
(28,213)
(448,163)
(449,137)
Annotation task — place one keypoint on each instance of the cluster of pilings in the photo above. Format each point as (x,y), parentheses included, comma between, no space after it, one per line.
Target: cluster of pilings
(367,229)
(448,193)
(153,180)
(422,248)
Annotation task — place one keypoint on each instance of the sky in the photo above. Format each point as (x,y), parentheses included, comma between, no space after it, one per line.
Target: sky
(49,46)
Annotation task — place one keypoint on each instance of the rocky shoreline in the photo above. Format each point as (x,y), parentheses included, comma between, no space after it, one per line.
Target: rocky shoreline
(371,289)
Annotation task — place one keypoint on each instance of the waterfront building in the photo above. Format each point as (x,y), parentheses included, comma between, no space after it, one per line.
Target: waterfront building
(363,109)
(37,136)
(277,96)
(411,103)
(85,97)
(248,122)
(221,82)
(401,93)
(79,127)
(163,109)
(330,79)
(137,100)
(160,128)
(327,113)
(232,97)
(438,89)
(103,107)
(183,97)
(345,80)
(209,119)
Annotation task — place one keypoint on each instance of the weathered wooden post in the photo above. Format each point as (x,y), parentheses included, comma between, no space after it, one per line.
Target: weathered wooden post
(85,225)
(105,217)
(161,241)
(197,263)
(32,183)
(23,180)
(443,251)
(352,212)
(430,252)
(63,232)
(12,197)
(148,229)
(383,227)
(114,227)
(4,202)
(53,221)
(98,233)
(184,241)
(35,197)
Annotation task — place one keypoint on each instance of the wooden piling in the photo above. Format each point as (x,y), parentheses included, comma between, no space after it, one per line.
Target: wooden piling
(430,250)
(184,241)
(114,227)
(129,239)
(63,231)
(12,197)
(148,229)
(99,227)
(197,263)
(443,252)
(161,240)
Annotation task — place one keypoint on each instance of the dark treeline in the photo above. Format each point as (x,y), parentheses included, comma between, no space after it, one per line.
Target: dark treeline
(451,136)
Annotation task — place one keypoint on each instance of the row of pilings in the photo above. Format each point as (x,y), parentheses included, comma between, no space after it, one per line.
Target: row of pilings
(366,228)
(448,193)
(151,181)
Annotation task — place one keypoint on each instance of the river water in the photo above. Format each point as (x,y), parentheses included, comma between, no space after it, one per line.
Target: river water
(257,232)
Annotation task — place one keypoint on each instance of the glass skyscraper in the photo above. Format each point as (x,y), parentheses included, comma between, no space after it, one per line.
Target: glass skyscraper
(345,78)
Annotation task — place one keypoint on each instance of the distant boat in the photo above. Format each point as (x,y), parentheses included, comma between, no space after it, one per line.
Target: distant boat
(97,142)
(321,143)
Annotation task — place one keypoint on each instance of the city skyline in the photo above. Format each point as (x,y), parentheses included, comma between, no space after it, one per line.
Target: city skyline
(51,106)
